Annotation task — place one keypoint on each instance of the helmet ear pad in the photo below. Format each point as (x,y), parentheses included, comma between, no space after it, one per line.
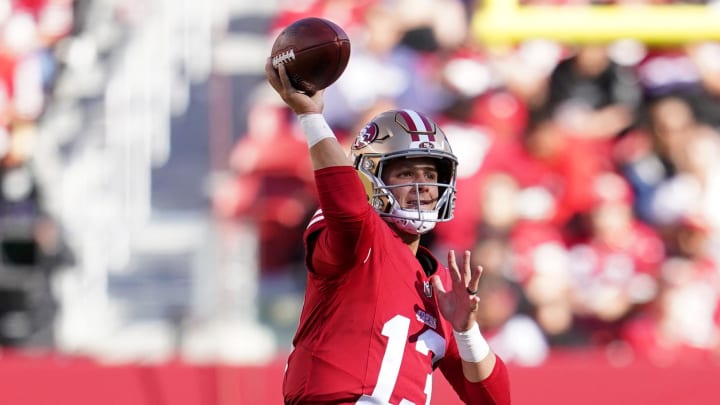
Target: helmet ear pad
(380,202)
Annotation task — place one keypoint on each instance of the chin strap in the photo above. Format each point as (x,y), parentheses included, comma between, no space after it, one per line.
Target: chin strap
(413,222)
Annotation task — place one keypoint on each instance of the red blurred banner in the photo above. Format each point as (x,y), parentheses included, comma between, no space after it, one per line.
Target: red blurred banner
(581,377)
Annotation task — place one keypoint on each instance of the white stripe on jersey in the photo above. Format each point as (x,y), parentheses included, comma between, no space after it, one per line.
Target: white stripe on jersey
(368,256)
(317,217)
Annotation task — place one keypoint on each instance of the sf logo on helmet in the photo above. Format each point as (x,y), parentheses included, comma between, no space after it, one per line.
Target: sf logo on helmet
(423,140)
(366,136)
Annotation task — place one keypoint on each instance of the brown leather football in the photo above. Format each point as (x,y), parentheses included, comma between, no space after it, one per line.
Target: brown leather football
(315,52)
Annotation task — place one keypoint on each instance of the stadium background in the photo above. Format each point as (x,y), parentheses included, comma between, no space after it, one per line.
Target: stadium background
(153,191)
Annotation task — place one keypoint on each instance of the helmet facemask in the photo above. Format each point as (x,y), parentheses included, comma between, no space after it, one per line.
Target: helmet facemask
(413,220)
(417,220)
(405,134)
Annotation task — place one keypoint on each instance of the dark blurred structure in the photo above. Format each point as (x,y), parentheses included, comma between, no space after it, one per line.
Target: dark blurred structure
(31,242)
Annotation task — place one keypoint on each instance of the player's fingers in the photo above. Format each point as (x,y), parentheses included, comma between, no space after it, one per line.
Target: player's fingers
(271,74)
(284,78)
(475,303)
(437,284)
(466,270)
(474,282)
(452,264)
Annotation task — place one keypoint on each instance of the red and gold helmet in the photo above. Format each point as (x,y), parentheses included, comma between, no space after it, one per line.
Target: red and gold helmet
(404,134)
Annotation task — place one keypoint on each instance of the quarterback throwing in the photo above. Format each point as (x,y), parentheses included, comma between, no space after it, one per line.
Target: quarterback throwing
(381,313)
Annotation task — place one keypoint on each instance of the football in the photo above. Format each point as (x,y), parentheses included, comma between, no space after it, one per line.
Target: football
(315,52)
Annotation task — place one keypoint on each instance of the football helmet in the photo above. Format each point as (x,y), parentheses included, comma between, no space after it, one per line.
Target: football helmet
(405,134)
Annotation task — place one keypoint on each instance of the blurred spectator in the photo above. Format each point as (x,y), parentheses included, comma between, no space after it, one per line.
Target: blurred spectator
(514,336)
(271,186)
(348,14)
(525,69)
(694,189)
(683,323)
(615,269)
(706,57)
(396,58)
(552,166)
(591,94)
(674,174)
(541,265)
(471,144)
(690,72)
(513,243)
(647,156)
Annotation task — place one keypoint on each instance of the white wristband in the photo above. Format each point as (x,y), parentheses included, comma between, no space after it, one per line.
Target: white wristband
(472,345)
(315,128)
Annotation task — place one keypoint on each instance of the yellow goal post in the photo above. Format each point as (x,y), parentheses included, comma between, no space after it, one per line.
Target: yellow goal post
(503,22)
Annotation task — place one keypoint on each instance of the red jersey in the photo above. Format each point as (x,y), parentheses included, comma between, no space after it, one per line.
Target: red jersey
(370,329)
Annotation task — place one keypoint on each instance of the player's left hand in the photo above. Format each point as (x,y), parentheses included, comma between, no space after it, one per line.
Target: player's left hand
(459,305)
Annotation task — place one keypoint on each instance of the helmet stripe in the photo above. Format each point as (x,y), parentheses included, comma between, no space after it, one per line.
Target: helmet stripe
(426,123)
(415,121)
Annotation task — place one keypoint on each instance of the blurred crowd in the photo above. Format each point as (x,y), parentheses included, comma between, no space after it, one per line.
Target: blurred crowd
(588,185)
(29,239)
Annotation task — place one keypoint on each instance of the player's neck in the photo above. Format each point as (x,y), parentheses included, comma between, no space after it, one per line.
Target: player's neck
(414,246)
(412,241)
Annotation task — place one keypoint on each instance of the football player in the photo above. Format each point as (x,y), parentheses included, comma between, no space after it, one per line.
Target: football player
(380,312)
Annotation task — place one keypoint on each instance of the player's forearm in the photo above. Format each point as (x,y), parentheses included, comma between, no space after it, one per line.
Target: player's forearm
(325,150)
(494,388)
(478,360)
(478,371)
(328,153)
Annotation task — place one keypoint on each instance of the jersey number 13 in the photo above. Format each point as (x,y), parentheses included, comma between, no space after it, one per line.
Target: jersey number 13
(396,330)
